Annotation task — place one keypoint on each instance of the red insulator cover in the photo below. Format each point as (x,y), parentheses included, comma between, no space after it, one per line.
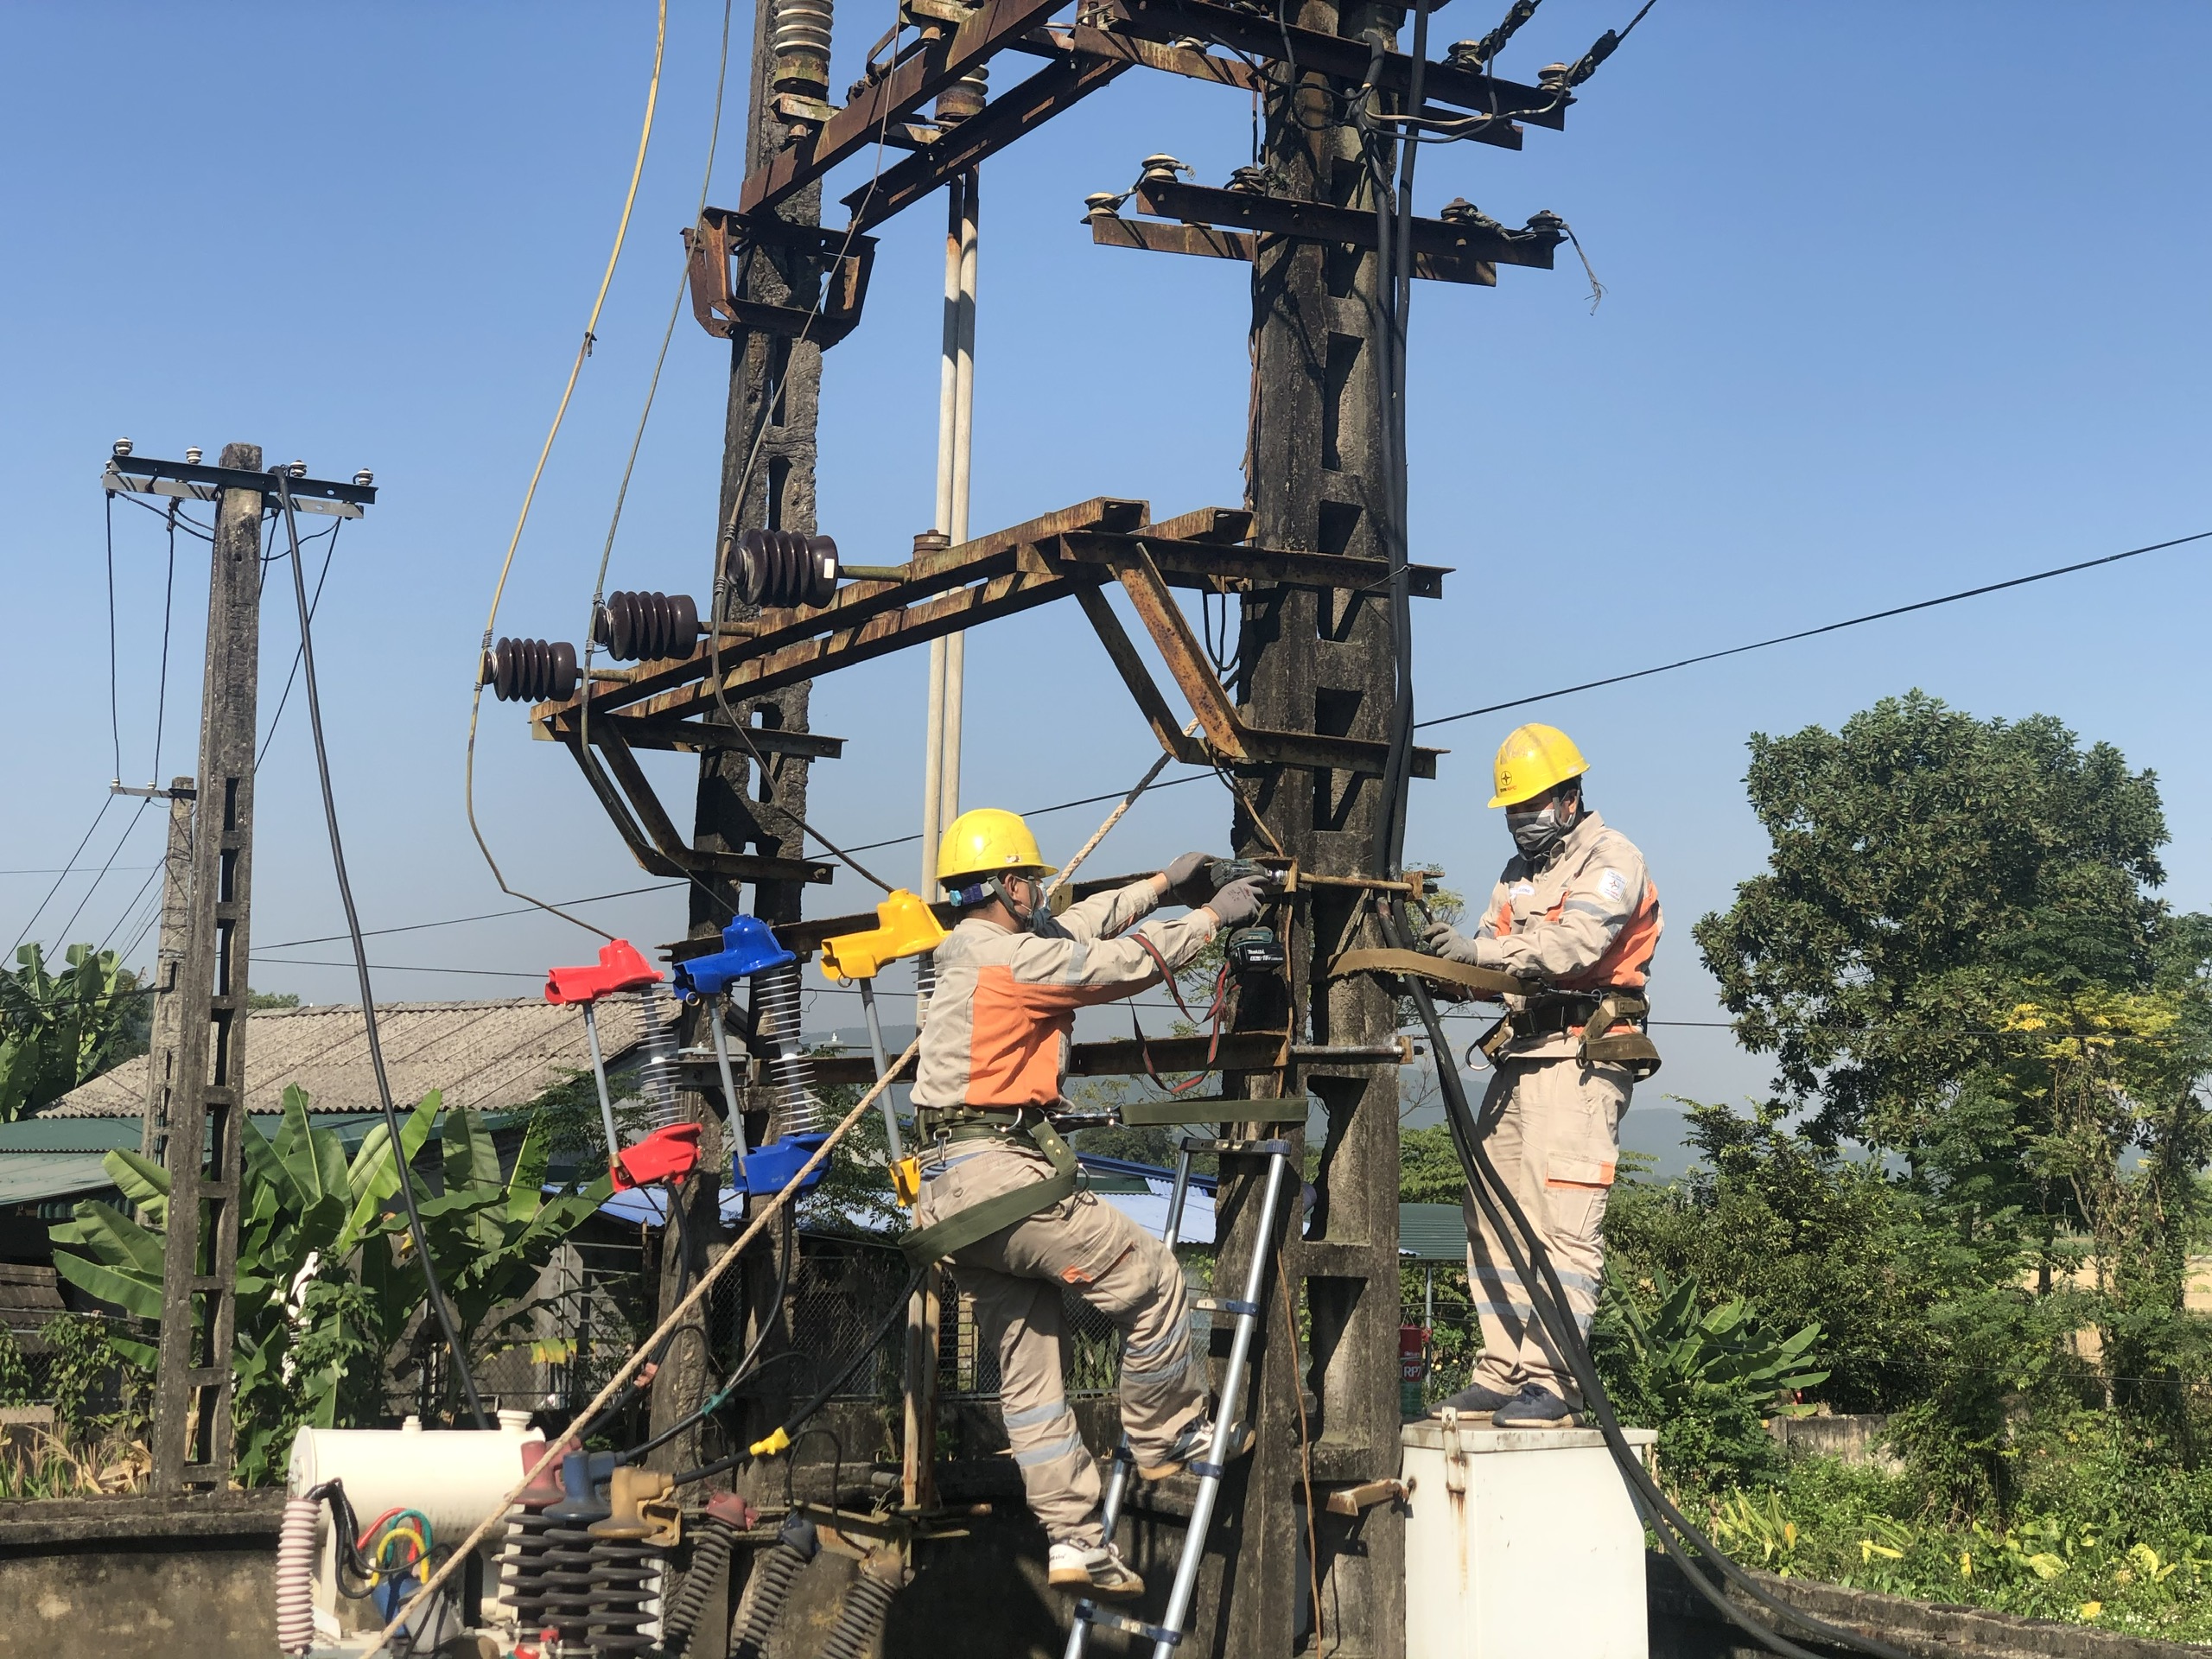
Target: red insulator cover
(665,1155)
(620,968)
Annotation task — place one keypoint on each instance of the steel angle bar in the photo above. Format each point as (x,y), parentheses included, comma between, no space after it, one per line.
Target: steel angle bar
(643,822)
(1263,35)
(721,237)
(697,737)
(1447,244)
(190,480)
(993,26)
(1019,110)
(1223,566)
(1110,230)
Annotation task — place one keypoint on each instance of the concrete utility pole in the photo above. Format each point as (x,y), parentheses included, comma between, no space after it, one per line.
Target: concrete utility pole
(1319,661)
(206,1107)
(768,452)
(168,958)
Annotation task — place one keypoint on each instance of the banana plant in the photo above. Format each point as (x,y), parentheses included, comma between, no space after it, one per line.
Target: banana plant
(1684,1353)
(57,1030)
(328,1292)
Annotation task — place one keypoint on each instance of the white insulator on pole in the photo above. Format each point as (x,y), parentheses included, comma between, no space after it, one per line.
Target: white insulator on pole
(802,46)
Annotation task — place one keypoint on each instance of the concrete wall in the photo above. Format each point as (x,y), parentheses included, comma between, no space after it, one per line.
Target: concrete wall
(1849,1439)
(136,1578)
(1684,1625)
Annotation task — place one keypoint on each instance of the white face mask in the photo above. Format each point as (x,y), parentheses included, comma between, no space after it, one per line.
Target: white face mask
(1535,833)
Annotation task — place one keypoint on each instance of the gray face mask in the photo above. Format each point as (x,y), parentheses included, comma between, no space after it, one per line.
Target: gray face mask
(1536,833)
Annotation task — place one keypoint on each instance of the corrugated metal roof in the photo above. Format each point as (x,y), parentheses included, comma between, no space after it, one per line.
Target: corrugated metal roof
(486,1056)
(29,1177)
(98,1134)
(1433,1232)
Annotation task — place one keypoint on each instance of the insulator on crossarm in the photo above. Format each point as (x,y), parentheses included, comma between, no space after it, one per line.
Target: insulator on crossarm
(782,568)
(632,626)
(659,1018)
(531,671)
(964,98)
(802,47)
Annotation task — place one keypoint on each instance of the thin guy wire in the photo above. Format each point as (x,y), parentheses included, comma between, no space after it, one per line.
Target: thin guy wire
(68,870)
(329,552)
(1831,627)
(114,717)
(169,607)
(61,936)
(576,369)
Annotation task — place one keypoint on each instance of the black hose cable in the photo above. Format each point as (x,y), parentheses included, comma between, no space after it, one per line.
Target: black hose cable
(745,1370)
(361,967)
(1469,1136)
(821,1396)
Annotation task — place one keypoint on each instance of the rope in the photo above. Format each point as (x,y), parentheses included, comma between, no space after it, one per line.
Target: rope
(556,1448)
(583,351)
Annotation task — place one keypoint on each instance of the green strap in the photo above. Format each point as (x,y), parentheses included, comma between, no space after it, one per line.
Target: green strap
(979,1221)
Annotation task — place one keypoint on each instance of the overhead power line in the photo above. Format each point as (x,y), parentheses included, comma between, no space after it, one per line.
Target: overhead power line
(1829,627)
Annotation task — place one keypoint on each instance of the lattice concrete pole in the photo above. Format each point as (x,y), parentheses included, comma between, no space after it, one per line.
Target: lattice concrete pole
(1320,661)
(768,452)
(191,1396)
(168,957)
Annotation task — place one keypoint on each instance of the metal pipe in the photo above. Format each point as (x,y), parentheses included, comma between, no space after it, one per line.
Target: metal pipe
(963,428)
(1224,1425)
(729,1084)
(598,1077)
(882,1069)
(948,405)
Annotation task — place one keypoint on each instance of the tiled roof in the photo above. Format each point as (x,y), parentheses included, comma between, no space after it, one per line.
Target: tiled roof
(485,1056)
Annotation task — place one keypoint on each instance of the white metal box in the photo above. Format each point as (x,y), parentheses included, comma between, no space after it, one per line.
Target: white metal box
(1521,1544)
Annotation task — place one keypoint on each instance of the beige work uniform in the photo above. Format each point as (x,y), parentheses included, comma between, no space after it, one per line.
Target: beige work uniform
(995,1038)
(1584,919)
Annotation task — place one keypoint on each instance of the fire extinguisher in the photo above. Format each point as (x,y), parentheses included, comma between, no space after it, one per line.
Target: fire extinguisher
(1413,1368)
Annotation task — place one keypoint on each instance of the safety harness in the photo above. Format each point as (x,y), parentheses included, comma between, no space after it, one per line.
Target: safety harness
(1024,1127)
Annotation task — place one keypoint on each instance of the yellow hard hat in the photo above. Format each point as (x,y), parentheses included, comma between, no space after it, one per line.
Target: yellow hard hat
(986,842)
(1532,759)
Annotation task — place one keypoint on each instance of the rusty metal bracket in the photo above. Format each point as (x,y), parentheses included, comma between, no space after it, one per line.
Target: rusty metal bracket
(1444,250)
(722,238)
(644,825)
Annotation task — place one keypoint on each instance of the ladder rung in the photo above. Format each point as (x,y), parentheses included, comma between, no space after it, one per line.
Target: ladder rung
(1091,1613)
(206,1376)
(208,1284)
(203,1474)
(1254,1148)
(1223,1305)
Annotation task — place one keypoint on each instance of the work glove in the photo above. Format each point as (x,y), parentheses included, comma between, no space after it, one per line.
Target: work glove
(1442,939)
(1240,901)
(1187,882)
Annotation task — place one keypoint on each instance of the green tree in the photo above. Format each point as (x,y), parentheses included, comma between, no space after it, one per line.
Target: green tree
(58,1030)
(1925,866)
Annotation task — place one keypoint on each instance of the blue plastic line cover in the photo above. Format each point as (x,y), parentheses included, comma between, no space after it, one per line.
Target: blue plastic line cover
(747,947)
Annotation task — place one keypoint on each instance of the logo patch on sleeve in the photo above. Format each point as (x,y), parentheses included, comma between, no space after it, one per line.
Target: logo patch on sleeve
(1613,885)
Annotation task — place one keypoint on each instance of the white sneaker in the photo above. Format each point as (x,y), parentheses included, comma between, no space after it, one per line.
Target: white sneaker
(1100,1571)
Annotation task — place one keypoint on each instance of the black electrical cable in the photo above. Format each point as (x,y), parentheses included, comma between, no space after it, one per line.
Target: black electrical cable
(1547,1296)
(897,1311)
(68,869)
(114,715)
(330,552)
(361,967)
(169,607)
(1827,627)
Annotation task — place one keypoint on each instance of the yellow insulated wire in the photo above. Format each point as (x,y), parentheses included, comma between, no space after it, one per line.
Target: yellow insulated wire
(583,351)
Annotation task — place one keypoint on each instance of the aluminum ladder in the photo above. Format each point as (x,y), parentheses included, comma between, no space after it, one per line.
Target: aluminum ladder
(1245,1314)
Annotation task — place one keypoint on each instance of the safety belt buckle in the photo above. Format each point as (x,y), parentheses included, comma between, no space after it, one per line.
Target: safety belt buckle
(906,1180)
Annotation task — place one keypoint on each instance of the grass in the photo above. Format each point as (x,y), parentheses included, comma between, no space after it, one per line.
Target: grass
(48,1467)
(2093,1538)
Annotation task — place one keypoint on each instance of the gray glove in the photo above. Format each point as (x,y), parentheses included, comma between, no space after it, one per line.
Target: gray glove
(1240,901)
(1442,939)
(1187,882)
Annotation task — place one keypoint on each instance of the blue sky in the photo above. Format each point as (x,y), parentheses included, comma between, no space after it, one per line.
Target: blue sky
(1900,299)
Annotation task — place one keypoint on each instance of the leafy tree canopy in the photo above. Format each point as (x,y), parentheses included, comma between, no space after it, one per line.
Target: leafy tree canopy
(1926,865)
(58,1030)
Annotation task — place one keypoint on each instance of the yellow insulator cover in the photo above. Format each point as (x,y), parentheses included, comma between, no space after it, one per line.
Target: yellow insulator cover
(904,926)
(778,1441)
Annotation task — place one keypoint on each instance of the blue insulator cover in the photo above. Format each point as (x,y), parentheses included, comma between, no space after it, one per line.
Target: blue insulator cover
(749,946)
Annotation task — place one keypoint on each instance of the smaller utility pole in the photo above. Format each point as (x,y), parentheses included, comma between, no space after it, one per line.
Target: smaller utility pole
(168,957)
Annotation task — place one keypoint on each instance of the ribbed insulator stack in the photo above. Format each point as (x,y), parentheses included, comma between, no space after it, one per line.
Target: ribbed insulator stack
(295,1575)
(770,1587)
(782,567)
(776,1019)
(964,98)
(659,1015)
(635,627)
(802,47)
(710,1553)
(523,1567)
(625,1614)
(867,1605)
(567,1557)
(531,671)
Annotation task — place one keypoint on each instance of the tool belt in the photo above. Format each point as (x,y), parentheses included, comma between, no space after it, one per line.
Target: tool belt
(1600,1015)
(1028,1128)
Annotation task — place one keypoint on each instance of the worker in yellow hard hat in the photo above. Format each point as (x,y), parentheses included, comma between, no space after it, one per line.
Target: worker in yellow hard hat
(1576,913)
(998,1193)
